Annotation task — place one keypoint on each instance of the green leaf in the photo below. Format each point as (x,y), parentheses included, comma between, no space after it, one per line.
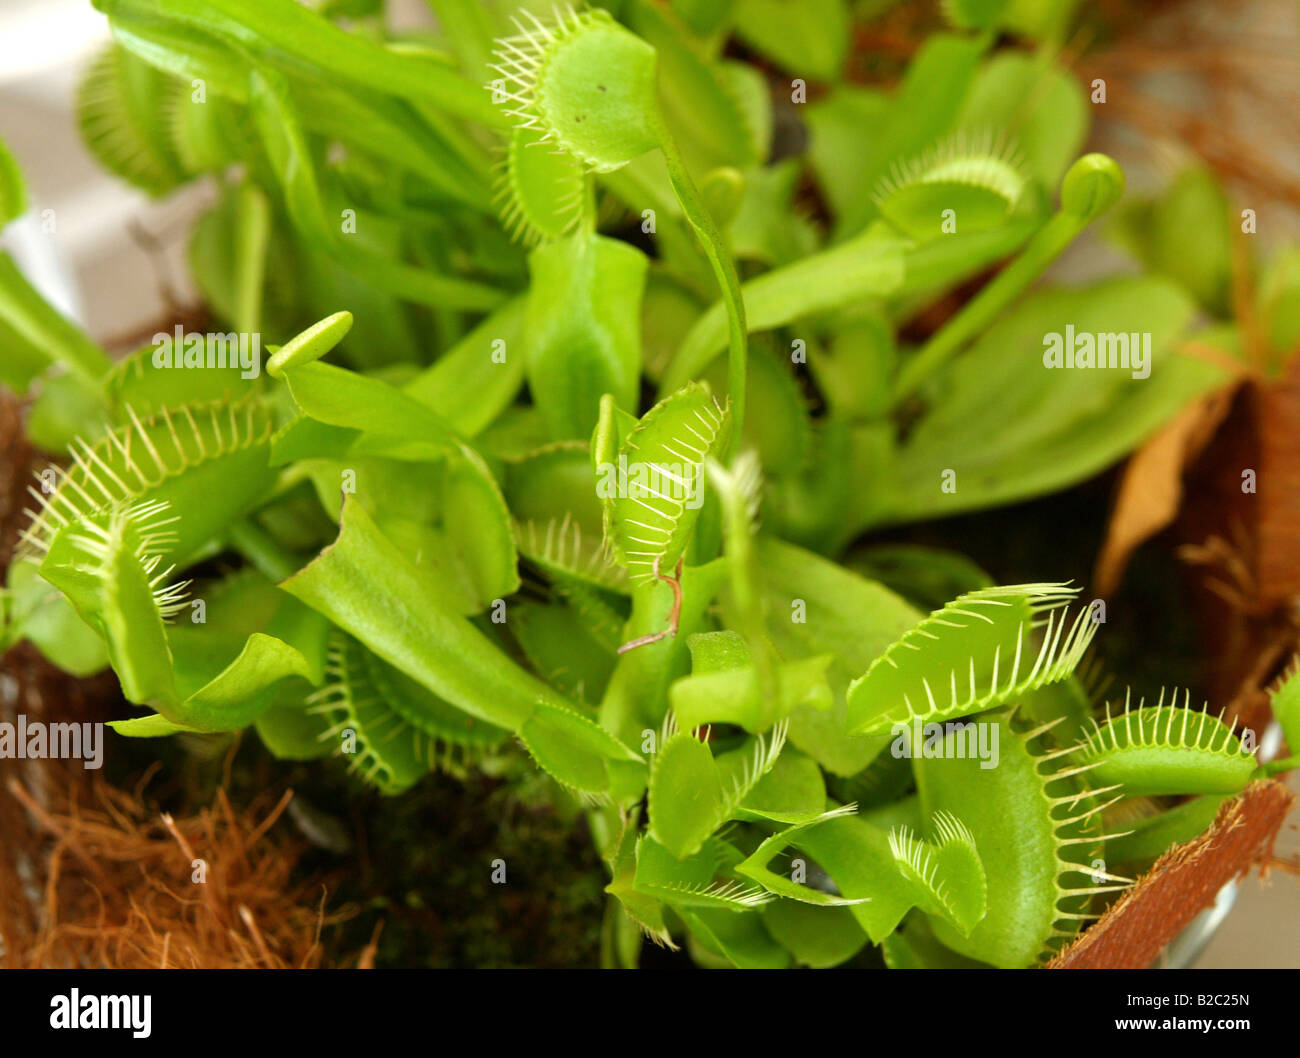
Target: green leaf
(868,266)
(857,857)
(1186,234)
(1279,300)
(913,947)
(739,939)
(819,937)
(291,732)
(1025,818)
(1040,106)
(792,792)
(155,725)
(1164,749)
(1285,701)
(974,14)
(120,113)
(371,589)
(687,802)
(809,38)
(286,32)
(582,323)
(947,875)
(287,148)
(391,423)
(645,911)
(13,192)
(653,489)
(1056,427)
(237,695)
(38,335)
(925,108)
(975,653)
(704,115)
(381,746)
(816,607)
(562,650)
(105,565)
(777,425)
(146,384)
(37,611)
(726,689)
(469,385)
(965,180)
(837,150)
(1152,836)
(468,567)
(768,225)
(207,461)
(700,880)
(691,794)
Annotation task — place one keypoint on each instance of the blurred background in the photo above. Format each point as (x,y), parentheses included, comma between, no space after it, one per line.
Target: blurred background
(1200,78)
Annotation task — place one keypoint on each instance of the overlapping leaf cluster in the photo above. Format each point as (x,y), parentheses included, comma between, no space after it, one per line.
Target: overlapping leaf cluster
(503,239)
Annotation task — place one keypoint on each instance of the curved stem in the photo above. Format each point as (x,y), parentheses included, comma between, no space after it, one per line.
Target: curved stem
(262,550)
(744,609)
(1045,247)
(724,269)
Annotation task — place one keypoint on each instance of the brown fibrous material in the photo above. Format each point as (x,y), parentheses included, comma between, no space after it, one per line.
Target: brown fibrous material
(1182,883)
(97,878)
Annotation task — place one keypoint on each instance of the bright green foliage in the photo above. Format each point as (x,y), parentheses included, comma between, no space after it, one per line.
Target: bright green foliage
(586,84)
(206,460)
(977,652)
(13,192)
(583,340)
(120,108)
(541,190)
(948,874)
(490,496)
(1168,749)
(1024,819)
(1286,707)
(650,516)
(975,183)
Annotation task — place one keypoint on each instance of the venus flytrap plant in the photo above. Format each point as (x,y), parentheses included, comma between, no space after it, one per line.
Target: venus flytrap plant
(542,194)
(948,874)
(1168,749)
(649,519)
(451,529)
(1285,701)
(988,635)
(1030,820)
(980,182)
(1093,184)
(589,86)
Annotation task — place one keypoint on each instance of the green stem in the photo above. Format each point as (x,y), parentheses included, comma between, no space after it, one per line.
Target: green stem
(285,33)
(1045,247)
(262,550)
(724,269)
(1277,767)
(590,210)
(940,264)
(252,233)
(745,610)
(35,320)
